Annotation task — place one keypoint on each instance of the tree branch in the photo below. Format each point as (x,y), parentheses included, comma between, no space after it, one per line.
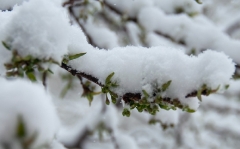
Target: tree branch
(70,9)
(128,96)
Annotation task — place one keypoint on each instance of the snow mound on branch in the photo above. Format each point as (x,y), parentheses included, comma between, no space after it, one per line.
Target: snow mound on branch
(23,99)
(138,68)
(197,33)
(39,28)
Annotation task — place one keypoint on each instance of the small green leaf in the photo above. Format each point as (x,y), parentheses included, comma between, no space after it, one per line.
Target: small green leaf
(155,107)
(65,61)
(139,108)
(72,57)
(113,94)
(165,107)
(199,1)
(132,106)
(105,89)
(227,86)
(152,121)
(8,47)
(114,84)
(187,109)
(145,93)
(108,79)
(27,58)
(199,93)
(173,108)
(49,70)
(158,100)
(166,85)
(114,100)
(126,112)
(21,130)
(107,100)
(190,111)
(31,76)
(90,98)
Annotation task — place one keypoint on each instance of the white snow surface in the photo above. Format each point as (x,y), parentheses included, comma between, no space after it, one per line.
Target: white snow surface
(101,35)
(170,6)
(38,28)
(6,4)
(47,33)
(198,34)
(130,8)
(33,104)
(138,68)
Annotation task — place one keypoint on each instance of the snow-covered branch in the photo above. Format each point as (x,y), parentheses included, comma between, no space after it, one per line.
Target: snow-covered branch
(134,78)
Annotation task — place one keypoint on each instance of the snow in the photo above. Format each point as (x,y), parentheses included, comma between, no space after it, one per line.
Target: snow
(101,35)
(6,4)
(131,8)
(134,33)
(197,35)
(56,145)
(77,117)
(126,141)
(210,68)
(171,6)
(5,54)
(154,40)
(42,28)
(33,104)
(49,40)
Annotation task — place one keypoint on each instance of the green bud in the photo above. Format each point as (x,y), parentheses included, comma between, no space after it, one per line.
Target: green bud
(126,112)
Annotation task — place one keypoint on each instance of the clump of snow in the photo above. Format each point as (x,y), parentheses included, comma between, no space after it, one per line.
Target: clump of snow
(101,35)
(138,67)
(56,145)
(130,8)
(173,6)
(134,33)
(31,102)
(7,4)
(196,33)
(167,117)
(125,141)
(38,28)
(157,40)
(77,41)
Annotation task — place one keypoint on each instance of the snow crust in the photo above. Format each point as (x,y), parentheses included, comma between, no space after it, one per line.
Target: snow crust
(33,104)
